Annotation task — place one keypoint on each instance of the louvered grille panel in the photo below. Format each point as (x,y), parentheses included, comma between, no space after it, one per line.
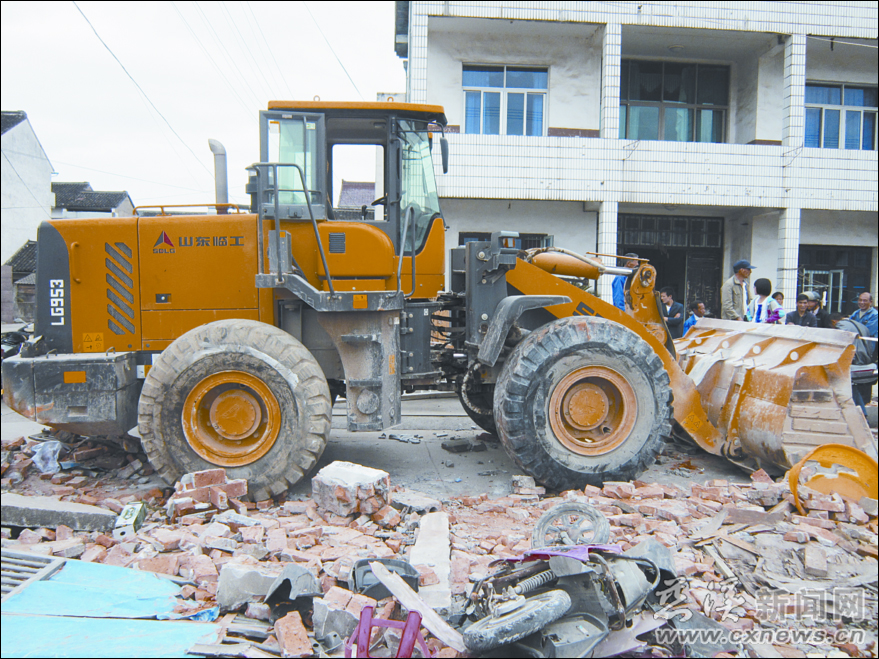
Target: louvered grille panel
(121,292)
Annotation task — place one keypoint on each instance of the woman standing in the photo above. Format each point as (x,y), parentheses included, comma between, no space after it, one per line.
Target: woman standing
(763,309)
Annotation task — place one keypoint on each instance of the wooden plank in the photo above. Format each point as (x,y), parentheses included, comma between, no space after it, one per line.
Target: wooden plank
(410,599)
(719,563)
(50,565)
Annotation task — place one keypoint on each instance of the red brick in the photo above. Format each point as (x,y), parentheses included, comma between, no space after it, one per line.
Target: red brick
(28,537)
(208,477)
(163,563)
(814,521)
(236,488)
(427,576)
(797,536)
(94,554)
(169,539)
(618,490)
(105,540)
(649,492)
(219,498)
(113,504)
(387,517)
(337,598)
(824,502)
(252,534)
(761,476)
(357,602)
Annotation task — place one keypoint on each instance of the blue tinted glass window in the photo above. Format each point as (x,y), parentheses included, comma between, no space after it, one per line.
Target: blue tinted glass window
(623,109)
(868,139)
(813,128)
(643,123)
(526,78)
(515,114)
(852,129)
(472,111)
(831,129)
(491,113)
(823,95)
(865,98)
(678,124)
(483,76)
(535,114)
(710,127)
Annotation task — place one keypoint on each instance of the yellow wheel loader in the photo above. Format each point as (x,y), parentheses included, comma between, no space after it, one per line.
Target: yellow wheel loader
(225,337)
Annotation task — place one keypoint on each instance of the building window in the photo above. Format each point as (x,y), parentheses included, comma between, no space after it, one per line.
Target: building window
(664,231)
(524,241)
(840,117)
(672,101)
(504,100)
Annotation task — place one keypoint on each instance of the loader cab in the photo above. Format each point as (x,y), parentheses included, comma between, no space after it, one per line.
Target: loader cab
(312,136)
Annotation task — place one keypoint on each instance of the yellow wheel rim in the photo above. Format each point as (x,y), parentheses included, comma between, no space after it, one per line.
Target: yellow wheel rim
(593,410)
(231,418)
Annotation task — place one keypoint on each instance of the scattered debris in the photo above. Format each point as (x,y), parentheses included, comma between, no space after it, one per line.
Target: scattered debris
(738,556)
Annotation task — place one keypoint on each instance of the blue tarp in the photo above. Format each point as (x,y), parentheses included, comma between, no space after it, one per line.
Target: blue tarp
(59,636)
(92,590)
(92,610)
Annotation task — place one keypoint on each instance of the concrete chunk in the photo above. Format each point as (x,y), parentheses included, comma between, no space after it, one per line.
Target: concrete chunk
(18,510)
(241,583)
(345,488)
(433,549)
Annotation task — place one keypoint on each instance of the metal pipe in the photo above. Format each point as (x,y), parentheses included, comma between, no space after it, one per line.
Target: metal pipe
(221,179)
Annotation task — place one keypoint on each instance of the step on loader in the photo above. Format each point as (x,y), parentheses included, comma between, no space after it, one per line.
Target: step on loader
(226,337)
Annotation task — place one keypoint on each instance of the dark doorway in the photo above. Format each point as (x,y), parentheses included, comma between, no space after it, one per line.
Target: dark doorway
(838,273)
(687,253)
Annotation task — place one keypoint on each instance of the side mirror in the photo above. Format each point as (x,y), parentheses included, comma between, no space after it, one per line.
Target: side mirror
(444,149)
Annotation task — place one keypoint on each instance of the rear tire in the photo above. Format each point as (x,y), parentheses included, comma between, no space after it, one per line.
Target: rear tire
(582,401)
(477,402)
(236,394)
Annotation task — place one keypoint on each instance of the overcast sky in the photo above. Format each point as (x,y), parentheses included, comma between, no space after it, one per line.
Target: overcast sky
(207,67)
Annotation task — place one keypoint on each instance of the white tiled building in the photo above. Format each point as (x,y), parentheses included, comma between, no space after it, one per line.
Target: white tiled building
(692,133)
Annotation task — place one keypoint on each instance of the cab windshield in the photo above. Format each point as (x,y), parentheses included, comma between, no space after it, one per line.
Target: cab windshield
(418,184)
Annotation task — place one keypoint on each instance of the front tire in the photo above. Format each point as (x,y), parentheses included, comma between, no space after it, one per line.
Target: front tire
(236,394)
(582,401)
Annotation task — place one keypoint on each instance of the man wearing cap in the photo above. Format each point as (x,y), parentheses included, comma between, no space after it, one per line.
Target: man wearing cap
(734,295)
(619,283)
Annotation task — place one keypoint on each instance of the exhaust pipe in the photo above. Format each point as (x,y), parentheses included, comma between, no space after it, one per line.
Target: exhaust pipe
(220,178)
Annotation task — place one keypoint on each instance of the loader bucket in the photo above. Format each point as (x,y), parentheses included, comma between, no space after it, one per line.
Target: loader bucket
(774,392)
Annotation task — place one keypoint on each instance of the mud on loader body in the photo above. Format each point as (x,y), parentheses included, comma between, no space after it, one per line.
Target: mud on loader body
(225,338)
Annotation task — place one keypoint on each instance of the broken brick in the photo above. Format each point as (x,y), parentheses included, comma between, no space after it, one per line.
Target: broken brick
(292,636)
(208,477)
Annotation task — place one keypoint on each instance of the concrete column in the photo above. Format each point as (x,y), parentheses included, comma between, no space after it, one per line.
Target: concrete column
(788,255)
(610,81)
(607,244)
(794,121)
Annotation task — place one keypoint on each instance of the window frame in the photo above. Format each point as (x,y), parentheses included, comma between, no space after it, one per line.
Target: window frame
(843,109)
(504,92)
(662,105)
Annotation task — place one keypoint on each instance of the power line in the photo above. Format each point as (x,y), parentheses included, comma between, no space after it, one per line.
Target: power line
(210,58)
(226,55)
(271,52)
(27,187)
(333,51)
(267,89)
(153,105)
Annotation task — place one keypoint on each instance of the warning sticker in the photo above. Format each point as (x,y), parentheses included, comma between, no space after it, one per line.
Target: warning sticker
(93,342)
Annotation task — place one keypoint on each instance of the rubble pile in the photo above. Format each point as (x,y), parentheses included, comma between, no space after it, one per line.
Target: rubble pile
(288,566)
